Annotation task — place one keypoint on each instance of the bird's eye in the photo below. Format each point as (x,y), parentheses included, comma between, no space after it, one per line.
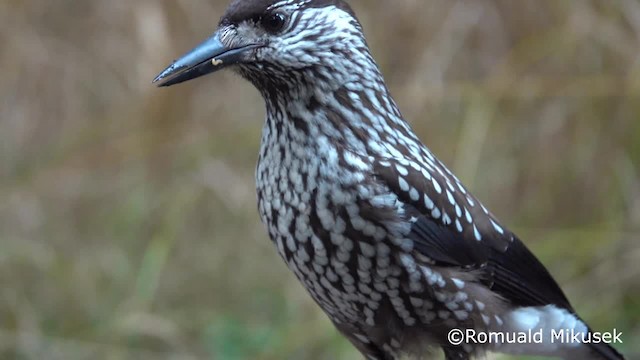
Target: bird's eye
(273,22)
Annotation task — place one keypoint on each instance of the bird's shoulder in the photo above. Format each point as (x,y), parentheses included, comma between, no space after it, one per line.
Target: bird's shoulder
(450,227)
(439,202)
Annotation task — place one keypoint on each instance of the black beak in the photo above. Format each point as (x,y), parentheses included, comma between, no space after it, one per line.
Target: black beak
(208,57)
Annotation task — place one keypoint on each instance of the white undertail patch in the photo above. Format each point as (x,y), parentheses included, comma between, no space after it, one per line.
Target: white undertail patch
(549,321)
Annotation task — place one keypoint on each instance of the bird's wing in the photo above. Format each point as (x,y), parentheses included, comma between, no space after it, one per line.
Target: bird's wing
(452,228)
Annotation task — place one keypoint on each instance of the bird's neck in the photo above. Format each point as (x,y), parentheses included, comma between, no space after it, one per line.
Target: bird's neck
(350,110)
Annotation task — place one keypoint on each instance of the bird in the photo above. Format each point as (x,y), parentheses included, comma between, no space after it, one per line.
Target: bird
(382,235)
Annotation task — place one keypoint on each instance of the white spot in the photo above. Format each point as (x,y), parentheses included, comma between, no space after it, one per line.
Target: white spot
(337,239)
(303,254)
(291,244)
(369,320)
(459,283)
(443,314)
(452,201)
(415,165)
(404,185)
(414,195)
(480,305)
(428,202)
(362,338)
(458,225)
(364,289)
(348,279)
(450,186)
(383,273)
(436,186)
(426,174)
(468,306)
(408,262)
(470,201)
(476,233)
(467,214)
(367,249)
(317,267)
(331,275)
(383,251)
(429,316)
(408,320)
(431,276)
(461,314)
(358,223)
(355,161)
(497,227)
(416,302)
(446,219)
(364,263)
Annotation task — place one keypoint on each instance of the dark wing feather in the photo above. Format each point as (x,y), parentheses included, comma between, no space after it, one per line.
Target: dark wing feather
(443,246)
(443,233)
(520,277)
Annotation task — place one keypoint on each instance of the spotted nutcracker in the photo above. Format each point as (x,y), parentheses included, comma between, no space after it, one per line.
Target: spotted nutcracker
(383,236)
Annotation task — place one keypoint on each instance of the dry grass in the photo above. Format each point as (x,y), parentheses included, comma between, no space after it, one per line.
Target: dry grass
(128,226)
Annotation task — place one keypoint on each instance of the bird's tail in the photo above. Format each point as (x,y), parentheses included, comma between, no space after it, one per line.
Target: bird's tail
(596,350)
(602,351)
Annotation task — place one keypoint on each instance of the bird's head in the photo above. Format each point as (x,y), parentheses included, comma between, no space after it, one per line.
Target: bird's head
(275,43)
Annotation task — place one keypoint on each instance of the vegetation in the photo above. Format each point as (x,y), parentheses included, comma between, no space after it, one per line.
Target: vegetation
(128,225)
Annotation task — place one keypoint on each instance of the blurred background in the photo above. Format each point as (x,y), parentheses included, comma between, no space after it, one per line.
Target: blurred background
(128,223)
